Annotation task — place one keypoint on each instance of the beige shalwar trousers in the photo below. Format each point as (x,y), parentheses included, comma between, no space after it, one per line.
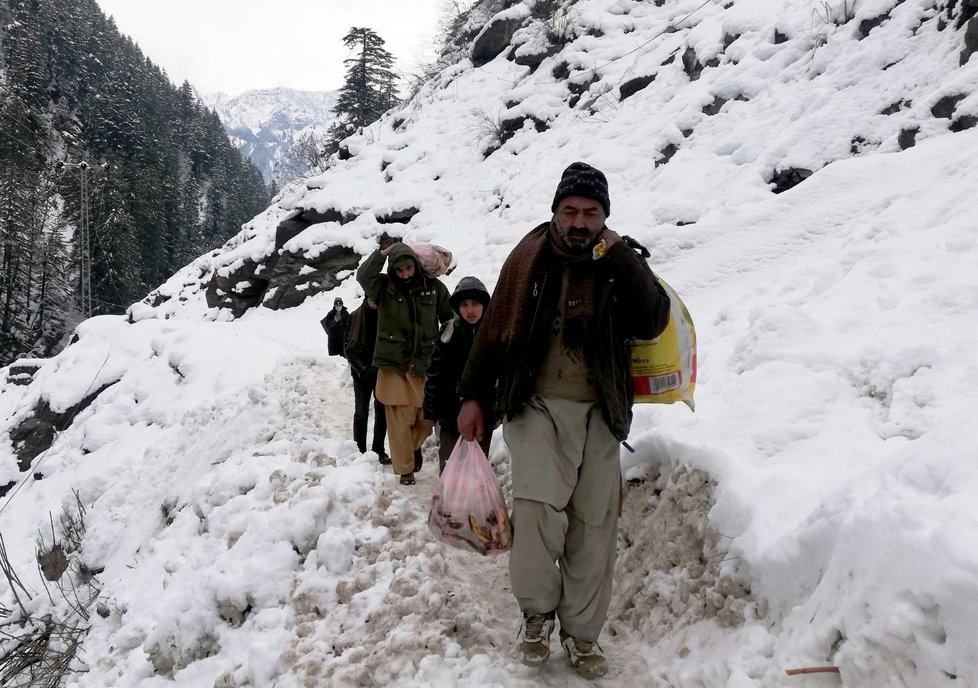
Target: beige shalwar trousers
(566,492)
(402,394)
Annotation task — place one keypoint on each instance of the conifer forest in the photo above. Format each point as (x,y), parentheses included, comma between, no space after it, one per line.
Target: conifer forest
(96,143)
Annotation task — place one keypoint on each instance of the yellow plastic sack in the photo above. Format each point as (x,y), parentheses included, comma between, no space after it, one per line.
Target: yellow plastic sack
(664,369)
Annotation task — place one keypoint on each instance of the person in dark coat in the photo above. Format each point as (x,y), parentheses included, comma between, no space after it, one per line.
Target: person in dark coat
(441,400)
(554,346)
(358,347)
(335,325)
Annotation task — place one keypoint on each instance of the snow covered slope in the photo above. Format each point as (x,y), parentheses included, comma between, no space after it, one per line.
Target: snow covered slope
(818,508)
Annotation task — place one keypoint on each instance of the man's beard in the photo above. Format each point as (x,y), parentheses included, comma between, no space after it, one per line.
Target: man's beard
(583,241)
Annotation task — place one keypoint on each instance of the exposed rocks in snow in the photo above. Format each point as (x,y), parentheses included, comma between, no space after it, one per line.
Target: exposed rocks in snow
(579,88)
(691,64)
(294,225)
(789,178)
(35,434)
(896,107)
(21,372)
(533,59)
(867,25)
(515,124)
(634,85)
(945,106)
(294,276)
(402,216)
(665,155)
(238,289)
(964,122)
(859,145)
(494,39)
(908,137)
(713,107)
(970,41)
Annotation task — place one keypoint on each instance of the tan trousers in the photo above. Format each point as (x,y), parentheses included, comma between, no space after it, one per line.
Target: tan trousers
(406,430)
(402,395)
(567,485)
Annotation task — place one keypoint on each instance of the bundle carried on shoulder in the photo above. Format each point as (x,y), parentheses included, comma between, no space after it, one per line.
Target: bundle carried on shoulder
(435,260)
(664,369)
(467,508)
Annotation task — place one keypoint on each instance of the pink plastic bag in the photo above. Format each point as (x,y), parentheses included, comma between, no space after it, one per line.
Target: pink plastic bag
(467,508)
(435,260)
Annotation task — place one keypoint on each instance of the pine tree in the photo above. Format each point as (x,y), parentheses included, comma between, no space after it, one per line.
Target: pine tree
(369,88)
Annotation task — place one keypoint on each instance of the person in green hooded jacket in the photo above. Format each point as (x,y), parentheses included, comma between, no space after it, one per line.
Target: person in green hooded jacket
(410,310)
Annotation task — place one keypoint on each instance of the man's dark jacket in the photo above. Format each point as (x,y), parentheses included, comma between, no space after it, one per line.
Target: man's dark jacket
(335,330)
(360,339)
(629,303)
(409,315)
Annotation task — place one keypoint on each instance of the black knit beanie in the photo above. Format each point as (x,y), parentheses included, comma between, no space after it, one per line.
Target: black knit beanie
(580,179)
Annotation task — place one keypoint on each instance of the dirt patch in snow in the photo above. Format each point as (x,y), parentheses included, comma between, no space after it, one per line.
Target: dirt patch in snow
(669,565)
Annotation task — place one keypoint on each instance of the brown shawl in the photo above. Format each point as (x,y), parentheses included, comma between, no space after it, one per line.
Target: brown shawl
(507,319)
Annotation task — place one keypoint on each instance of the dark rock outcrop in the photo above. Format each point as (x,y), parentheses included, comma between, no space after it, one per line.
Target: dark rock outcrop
(493,40)
(22,372)
(579,88)
(896,107)
(908,137)
(634,85)
(533,60)
(240,289)
(402,216)
(36,433)
(867,25)
(964,122)
(945,106)
(297,223)
(509,127)
(970,41)
(691,64)
(713,108)
(665,155)
(287,286)
(789,178)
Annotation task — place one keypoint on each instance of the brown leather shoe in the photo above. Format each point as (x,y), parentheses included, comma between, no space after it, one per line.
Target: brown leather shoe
(407,479)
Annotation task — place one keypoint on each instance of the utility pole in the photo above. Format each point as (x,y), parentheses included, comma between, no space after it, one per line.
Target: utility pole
(84,240)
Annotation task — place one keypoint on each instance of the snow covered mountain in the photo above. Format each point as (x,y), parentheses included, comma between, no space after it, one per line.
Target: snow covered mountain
(804,177)
(266,125)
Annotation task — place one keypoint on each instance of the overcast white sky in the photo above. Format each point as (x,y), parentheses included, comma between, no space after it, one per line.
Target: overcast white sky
(237,45)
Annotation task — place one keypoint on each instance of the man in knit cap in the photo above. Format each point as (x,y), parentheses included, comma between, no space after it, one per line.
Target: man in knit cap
(554,344)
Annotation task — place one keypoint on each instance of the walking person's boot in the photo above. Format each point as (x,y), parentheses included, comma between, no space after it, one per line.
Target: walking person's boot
(585,656)
(535,637)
